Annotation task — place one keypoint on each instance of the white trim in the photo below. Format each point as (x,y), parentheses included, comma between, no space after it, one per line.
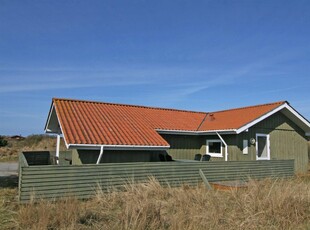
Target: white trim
(214,154)
(284,106)
(226,147)
(60,126)
(57,148)
(185,132)
(245,127)
(292,110)
(119,147)
(100,155)
(49,118)
(267,143)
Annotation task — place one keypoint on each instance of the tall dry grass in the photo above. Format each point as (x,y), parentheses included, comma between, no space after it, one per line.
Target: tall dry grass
(267,204)
(7,209)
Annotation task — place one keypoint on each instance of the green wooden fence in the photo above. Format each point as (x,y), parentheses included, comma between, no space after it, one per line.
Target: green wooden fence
(82,181)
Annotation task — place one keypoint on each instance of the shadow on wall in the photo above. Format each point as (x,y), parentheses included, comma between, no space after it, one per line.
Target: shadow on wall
(91,156)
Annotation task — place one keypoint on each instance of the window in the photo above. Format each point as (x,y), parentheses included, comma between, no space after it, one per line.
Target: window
(245,147)
(214,148)
(262,147)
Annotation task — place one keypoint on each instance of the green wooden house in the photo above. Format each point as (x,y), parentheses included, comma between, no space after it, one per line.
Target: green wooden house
(105,132)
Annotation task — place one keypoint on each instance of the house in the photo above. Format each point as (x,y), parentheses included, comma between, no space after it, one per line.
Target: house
(107,132)
(17,137)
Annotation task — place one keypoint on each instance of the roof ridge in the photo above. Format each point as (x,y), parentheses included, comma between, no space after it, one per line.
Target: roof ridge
(251,106)
(129,105)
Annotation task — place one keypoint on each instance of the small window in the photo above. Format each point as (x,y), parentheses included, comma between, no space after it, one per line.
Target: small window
(245,147)
(214,148)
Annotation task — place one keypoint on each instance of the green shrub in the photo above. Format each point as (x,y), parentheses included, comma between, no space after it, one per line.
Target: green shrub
(3,142)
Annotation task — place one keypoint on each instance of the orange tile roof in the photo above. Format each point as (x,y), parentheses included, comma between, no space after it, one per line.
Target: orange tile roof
(236,118)
(97,123)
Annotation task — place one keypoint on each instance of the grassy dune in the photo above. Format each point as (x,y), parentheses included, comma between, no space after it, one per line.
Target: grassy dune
(267,204)
(30,143)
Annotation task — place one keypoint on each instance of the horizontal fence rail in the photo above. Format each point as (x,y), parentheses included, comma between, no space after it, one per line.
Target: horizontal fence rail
(82,181)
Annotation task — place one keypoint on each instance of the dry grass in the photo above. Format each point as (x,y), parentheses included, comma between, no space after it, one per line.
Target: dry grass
(30,143)
(7,207)
(267,204)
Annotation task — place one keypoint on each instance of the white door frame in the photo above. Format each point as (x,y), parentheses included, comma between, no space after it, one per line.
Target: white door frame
(267,143)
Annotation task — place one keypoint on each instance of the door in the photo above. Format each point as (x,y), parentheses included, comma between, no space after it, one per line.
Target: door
(262,147)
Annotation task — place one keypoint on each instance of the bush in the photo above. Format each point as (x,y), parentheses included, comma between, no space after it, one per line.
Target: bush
(3,142)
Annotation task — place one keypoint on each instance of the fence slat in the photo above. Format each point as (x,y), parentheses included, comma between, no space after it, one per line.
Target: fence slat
(53,181)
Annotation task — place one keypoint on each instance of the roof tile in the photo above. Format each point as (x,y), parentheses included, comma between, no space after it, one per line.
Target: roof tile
(87,122)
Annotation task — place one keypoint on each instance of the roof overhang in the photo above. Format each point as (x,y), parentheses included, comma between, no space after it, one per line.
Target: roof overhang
(185,132)
(52,124)
(289,112)
(117,147)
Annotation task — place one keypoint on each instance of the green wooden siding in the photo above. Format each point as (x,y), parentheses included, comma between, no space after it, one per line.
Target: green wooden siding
(82,181)
(115,156)
(184,146)
(47,157)
(38,158)
(287,141)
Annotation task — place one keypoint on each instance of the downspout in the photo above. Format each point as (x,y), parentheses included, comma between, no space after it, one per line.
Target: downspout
(226,147)
(57,148)
(100,155)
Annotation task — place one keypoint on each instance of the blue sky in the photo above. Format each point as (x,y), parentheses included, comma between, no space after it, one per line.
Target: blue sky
(194,55)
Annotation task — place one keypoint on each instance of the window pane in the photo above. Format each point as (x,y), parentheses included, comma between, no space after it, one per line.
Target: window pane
(215,147)
(245,147)
(262,147)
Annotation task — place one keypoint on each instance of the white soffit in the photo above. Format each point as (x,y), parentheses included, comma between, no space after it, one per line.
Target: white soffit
(118,147)
(52,123)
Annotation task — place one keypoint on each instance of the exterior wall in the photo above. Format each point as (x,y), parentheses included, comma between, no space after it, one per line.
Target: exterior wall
(114,156)
(287,141)
(184,146)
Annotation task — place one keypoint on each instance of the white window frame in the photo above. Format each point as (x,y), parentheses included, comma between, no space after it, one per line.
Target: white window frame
(267,143)
(214,154)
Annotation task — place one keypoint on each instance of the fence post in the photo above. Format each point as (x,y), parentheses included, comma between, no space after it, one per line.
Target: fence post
(204,179)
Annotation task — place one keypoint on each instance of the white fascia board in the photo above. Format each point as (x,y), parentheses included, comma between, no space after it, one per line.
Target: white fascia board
(48,119)
(185,132)
(245,127)
(214,132)
(300,117)
(118,147)
(48,131)
(284,106)
(176,132)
